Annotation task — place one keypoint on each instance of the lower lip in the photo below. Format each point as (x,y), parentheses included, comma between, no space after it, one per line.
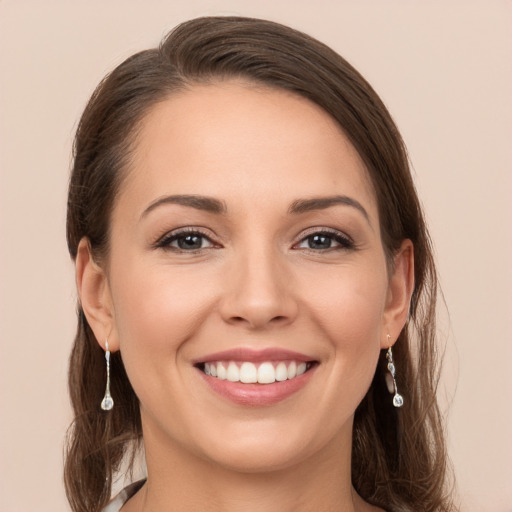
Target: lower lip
(257,395)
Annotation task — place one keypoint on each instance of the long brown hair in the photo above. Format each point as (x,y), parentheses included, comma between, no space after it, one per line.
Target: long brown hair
(399,457)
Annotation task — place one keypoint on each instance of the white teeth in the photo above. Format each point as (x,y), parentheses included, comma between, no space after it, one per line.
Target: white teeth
(266,373)
(221,372)
(281,372)
(292,370)
(300,369)
(250,373)
(233,373)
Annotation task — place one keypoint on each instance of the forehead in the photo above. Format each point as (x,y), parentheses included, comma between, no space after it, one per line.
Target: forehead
(239,140)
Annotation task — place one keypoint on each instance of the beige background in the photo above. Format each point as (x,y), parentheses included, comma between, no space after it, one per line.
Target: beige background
(443,68)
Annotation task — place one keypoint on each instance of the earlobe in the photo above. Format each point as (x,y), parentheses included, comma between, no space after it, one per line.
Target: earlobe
(95,298)
(400,288)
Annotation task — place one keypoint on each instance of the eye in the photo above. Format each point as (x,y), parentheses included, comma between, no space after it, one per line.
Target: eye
(185,241)
(325,240)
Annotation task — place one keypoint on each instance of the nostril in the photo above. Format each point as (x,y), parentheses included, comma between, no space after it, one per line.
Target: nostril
(257,311)
(255,321)
(238,319)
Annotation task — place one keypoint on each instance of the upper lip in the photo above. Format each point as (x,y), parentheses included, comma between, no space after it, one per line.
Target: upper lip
(254,356)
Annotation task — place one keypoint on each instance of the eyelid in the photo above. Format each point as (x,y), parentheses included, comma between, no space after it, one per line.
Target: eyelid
(163,241)
(346,241)
(323,229)
(343,240)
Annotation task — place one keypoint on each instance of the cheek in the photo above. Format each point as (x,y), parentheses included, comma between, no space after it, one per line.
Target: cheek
(349,303)
(157,310)
(349,314)
(157,299)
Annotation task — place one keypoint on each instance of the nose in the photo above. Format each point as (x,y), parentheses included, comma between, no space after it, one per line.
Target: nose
(259,291)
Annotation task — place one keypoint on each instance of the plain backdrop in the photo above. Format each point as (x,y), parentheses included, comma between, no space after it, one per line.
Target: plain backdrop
(444,69)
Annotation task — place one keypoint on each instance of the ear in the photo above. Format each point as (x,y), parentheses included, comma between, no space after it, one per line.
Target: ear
(400,288)
(94,291)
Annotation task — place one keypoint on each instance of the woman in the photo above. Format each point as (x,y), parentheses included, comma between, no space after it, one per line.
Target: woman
(256,283)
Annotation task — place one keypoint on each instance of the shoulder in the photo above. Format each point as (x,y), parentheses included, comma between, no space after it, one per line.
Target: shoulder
(117,502)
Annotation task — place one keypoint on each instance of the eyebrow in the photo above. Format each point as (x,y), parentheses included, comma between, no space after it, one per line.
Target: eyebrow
(212,205)
(321,203)
(208,204)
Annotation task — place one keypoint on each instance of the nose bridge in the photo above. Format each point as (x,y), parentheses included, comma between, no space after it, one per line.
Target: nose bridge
(259,291)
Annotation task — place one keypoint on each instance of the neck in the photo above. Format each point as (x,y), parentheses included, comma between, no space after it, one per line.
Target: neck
(179,480)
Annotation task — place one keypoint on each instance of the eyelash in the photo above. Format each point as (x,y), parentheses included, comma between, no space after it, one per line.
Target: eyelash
(344,242)
(166,241)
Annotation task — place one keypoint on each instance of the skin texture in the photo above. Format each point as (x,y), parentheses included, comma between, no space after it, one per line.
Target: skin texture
(255,283)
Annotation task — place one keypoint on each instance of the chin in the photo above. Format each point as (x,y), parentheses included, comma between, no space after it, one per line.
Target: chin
(271,449)
(258,458)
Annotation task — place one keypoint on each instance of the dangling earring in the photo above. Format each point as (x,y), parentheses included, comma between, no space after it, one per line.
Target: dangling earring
(108,402)
(398,400)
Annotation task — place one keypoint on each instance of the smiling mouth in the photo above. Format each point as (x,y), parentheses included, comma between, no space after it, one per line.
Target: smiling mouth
(265,372)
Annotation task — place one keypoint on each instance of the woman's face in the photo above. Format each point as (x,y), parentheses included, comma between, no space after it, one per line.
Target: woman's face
(245,243)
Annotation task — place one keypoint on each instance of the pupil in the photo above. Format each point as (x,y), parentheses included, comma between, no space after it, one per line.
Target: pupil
(319,242)
(190,242)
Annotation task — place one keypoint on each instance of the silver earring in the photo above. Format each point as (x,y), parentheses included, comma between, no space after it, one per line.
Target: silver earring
(108,402)
(398,399)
